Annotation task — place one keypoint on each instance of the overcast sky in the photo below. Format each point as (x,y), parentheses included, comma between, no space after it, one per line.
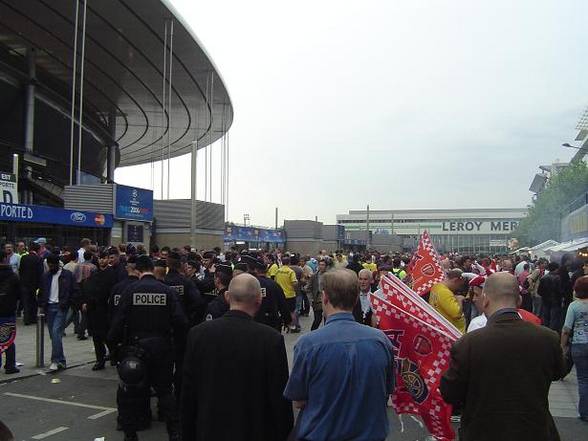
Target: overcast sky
(399,104)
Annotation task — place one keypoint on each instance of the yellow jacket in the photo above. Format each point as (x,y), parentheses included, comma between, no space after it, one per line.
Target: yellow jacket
(444,301)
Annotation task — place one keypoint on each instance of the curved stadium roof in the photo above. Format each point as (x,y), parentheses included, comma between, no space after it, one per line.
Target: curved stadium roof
(123,72)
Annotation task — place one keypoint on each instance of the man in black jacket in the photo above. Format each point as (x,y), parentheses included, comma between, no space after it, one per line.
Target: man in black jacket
(95,295)
(31,270)
(250,358)
(9,294)
(550,291)
(219,305)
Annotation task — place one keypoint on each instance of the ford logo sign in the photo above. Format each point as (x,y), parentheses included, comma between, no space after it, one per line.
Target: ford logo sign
(78,217)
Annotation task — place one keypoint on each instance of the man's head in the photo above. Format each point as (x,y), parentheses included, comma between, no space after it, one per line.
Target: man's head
(222,276)
(103,259)
(9,249)
(454,279)
(244,294)
(501,290)
(53,263)
(88,256)
(191,267)
(21,247)
(132,266)
(286,260)
(174,261)
(507,265)
(69,255)
(322,265)
(552,267)
(542,263)
(294,260)
(365,280)
(85,243)
(144,265)
(208,259)
(581,287)
(34,247)
(113,256)
(164,252)
(477,287)
(340,291)
(396,262)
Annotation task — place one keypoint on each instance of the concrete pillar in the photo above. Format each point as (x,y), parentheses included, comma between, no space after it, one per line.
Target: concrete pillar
(30,101)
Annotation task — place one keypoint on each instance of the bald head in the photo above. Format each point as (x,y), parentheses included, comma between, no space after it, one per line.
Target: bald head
(244,293)
(501,291)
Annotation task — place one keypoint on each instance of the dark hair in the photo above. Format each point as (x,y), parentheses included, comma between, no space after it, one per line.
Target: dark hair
(223,277)
(53,259)
(294,260)
(581,287)
(144,264)
(526,266)
(342,288)
(88,255)
(552,266)
(396,262)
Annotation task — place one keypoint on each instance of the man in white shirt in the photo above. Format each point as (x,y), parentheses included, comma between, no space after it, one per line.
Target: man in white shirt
(84,246)
(477,286)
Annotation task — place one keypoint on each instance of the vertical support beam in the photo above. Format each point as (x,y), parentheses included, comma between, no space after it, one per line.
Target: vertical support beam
(111,153)
(193,194)
(276,218)
(163,118)
(81,109)
(30,101)
(169,103)
(74,75)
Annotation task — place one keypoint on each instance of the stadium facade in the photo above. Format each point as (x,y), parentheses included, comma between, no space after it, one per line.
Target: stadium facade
(86,87)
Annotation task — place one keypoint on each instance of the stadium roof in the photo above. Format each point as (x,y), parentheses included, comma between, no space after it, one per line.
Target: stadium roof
(123,71)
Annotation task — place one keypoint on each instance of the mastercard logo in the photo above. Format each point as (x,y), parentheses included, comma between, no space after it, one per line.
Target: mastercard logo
(99,219)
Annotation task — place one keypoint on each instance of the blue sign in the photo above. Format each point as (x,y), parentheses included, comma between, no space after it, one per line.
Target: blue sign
(53,215)
(235,233)
(133,203)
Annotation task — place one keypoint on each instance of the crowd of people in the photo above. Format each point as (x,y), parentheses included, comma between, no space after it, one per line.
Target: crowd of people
(179,321)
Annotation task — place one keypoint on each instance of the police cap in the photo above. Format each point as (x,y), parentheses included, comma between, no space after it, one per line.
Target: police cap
(224,268)
(241,266)
(252,262)
(209,255)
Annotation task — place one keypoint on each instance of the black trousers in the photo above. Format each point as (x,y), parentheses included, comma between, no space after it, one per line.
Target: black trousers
(159,365)
(99,347)
(318,318)
(29,304)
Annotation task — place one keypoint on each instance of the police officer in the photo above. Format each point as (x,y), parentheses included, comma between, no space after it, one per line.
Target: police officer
(190,298)
(219,305)
(273,311)
(148,317)
(95,292)
(122,286)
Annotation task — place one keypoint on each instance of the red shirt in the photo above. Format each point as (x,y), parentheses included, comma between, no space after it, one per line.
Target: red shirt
(529,317)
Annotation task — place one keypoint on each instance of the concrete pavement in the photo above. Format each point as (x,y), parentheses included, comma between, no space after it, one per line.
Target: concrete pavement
(81,404)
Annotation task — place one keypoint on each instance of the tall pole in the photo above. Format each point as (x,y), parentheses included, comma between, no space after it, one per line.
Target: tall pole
(169,102)
(163,119)
(193,195)
(73,97)
(81,109)
(276,218)
(367,227)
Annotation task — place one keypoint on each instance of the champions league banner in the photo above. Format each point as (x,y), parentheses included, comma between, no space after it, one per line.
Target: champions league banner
(7,332)
(422,341)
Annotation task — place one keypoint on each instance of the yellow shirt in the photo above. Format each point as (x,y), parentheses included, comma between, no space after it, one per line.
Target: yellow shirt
(272,270)
(371,266)
(443,300)
(286,278)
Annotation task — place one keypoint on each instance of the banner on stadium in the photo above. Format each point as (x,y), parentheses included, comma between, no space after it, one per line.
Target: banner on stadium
(422,341)
(425,267)
(9,188)
(54,215)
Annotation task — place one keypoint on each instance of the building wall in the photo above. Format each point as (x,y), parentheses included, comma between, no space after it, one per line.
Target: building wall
(204,241)
(311,247)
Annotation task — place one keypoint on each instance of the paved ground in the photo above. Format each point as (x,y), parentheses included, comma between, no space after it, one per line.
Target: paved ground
(80,405)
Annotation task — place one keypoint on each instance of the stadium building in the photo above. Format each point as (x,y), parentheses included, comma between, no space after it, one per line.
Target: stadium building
(483,230)
(86,87)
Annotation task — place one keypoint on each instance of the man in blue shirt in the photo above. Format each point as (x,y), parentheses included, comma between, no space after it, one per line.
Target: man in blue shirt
(343,373)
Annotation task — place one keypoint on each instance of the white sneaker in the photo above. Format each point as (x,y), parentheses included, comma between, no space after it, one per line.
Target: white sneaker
(53,367)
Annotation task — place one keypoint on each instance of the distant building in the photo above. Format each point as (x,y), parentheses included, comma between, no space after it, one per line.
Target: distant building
(482,230)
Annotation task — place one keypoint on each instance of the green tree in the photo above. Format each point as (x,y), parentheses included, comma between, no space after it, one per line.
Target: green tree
(545,213)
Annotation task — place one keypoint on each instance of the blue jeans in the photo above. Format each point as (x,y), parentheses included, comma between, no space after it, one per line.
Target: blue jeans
(580,357)
(55,325)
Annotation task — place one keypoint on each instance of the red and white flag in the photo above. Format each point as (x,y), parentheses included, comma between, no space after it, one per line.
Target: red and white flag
(422,340)
(425,267)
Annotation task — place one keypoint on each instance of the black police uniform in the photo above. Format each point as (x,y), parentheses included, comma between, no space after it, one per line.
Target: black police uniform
(117,291)
(188,294)
(150,315)
(95,292)
(218,306)
(273,310)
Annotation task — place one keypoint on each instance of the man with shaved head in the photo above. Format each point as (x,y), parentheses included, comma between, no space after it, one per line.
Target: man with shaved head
(500,374)
(235,371)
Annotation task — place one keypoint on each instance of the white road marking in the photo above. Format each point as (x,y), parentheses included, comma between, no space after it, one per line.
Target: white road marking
(105,410)
(49,433)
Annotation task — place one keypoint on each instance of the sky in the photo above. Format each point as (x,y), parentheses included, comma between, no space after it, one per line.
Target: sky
(395,104)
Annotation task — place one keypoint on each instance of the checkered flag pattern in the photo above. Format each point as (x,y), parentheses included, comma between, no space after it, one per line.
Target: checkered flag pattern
(425,266)
(422,344)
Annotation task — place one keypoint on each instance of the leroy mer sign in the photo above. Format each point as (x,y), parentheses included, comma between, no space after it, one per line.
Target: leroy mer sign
(481,226)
